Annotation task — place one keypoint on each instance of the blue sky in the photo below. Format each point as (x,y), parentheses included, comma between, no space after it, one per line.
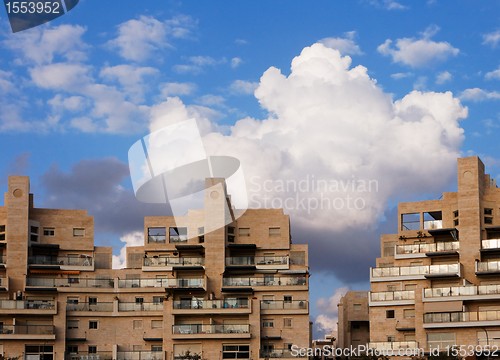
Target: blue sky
(392,91)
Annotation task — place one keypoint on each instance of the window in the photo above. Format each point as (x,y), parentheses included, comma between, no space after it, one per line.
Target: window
(389,314)
(201,234)
(139,300)
(455,213)
(391,338)
(156,348)
(409,313)
(389,248)
(287,299)
(2,232)
(72,349)
(137,324)
(178,234)
(392,287)
(410,221)
(156,324)
(488,220)
(93,324)
(78,232)
(236,351)
(72,324)
(158,299)
(488,211)
(72,300)
(49,232)
(92,301)
(433,220)
(287,322)
(92,349)
(440,340)
(34,233)
(456,222)
(274,231)
(267,323)
(157,234)
(230,230)
(356,307)
(244,231)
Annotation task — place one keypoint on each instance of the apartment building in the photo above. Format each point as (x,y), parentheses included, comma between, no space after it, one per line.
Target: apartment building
(238,292)
(437,283)
(353,327)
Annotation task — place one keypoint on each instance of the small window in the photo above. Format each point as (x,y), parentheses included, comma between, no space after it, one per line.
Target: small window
(2,232)
(274,231)
(456,222)
(488,211)
(93,324)
(201,234)
(244,231)
(78,232)
(267,323)
(230,230)
(455,213)
(389,247)
(34,233)
(287,322)
(92,349)
(139,300)
(287,299)
(2,228)
(156,324)
(158,299)
(156,348)
(72,349)
(49,232)
(72,300)
(178,234)
(389,314)
(392,287)
(409,313)
(391,338)
(157,234)
(72,324)
(92,301)
(488,220)
(137,324)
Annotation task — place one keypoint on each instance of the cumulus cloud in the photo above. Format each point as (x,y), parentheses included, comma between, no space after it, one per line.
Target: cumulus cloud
(131,78)
(418,52)
(493,75)
(477,94)
(492,39)
(326,322)
(443,77)
(135,238)
(345,45)
(138,39)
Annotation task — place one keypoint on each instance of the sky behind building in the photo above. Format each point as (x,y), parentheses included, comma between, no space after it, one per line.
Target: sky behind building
(323,102)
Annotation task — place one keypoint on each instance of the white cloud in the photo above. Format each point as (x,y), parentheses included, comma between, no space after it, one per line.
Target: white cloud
(345,45)
(138,39)
(477,94)
(493,75)
(418,52)
(211,100)
(41,45)
(492,39)
(330,122)
(243,87)
(61,76)
(70,103)
(326,322)
(401,75)
(236,62)
(176,89)
(135,238)
(196,64)
(131,78)
(388,4)
(443,77)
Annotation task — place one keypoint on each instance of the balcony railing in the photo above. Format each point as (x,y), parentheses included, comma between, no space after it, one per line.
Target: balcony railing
(82,260)
(165,283)
(283,305)
(423,248)
(392,295)
(69,282)
(4,282)
(256,260)
(462,316)
(278,353)
(259,281)
(140,355)
(174,261)
(211,329)
(28,329)
(27,304)
(210,304)
(178,238)
(433,224)
(133,306)
(488,266)
(99,355)
(490,244)
(85,306)
(462,291)
(393,345)
(443,269)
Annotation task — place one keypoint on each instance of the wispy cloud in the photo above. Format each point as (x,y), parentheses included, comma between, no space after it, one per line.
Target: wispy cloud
(443,77)
(493,75)
(492,39)
(177,89)
(478,94)
(243,87)
(346,45)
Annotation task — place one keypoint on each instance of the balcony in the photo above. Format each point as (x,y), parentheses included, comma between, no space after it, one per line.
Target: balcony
(28,307)
(490,245)
(279,354)
(99,355)
(82,262)
(462,319)
(93,307)
(224,331)
(140,355)
(386,298)
(195,306)
(134,306)
(391,346)
(27,332)
(181,283)
(443,248)
(258,262)
(487,268)
(230,283)
(172,263)
(4,284)
(284,307)
(415,272)
(58,284)
(480,292)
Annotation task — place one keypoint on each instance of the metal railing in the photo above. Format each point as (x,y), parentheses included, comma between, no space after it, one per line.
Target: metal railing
(416,270)
(260,281)
(392,295)
(490,244)
(174,261)
(144,306)
(99,355)
(85,306)
(425,248)
(462,291)
(28,304)
(393,345)
(159,282)
(69,282)
(140,355)
(82,260)
(283,305)
(211,329)
(28,329)
(462,316)
(210,304)
(256,260)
